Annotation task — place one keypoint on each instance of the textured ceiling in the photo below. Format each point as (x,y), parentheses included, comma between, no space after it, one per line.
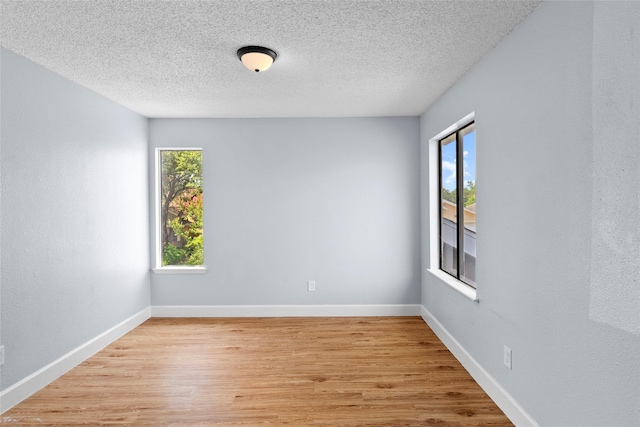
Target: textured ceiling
(336,58)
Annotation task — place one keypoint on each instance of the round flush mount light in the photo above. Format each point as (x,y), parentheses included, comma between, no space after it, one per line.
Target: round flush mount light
(257,58)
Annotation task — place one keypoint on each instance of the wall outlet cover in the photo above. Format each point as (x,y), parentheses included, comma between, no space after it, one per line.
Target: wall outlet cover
(507,357)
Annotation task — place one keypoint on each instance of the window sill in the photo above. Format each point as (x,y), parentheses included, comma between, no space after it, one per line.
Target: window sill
(179,270)
(459,286)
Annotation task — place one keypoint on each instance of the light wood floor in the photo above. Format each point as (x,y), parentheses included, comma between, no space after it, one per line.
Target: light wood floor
(382,371)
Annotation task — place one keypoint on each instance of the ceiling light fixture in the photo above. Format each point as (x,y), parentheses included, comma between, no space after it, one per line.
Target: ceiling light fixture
(256,58)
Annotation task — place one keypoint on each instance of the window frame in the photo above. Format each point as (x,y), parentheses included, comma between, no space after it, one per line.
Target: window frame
(157,250)
(435,210)
(458,138)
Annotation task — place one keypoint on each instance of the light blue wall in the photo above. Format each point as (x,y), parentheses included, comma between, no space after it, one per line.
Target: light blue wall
(291,200)
(557,108)
(74,216)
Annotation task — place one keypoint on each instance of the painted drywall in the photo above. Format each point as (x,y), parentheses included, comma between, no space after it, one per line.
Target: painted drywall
(292,200)
(557,108)
(74,216)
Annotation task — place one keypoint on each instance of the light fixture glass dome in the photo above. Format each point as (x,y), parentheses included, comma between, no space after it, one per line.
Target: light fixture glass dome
(256,58)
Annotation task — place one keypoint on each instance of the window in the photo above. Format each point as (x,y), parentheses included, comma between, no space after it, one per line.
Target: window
(457,183)
(180,235)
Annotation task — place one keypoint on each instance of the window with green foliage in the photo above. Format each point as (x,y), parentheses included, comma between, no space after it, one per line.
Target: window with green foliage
(181,197)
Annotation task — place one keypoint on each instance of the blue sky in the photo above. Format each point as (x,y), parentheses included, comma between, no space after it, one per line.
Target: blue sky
(449,161)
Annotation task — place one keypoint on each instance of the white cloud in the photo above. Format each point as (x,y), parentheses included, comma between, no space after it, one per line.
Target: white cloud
(465,153)
(449,166)
(448,172)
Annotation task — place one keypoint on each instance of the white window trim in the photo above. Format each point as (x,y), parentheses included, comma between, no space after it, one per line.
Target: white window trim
(159,268)
(434,216)
(179,269)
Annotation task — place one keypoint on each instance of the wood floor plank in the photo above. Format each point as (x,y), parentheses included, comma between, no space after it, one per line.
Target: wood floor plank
(320,372)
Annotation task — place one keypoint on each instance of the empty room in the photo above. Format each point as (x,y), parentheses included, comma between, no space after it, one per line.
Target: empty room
(244,213)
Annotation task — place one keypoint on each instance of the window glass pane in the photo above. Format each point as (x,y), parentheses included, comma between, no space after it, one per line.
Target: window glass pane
(468,270)
(449,224)
(181,207)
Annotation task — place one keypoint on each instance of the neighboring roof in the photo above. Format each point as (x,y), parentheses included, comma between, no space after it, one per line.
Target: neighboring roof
(470,208)
(336,58)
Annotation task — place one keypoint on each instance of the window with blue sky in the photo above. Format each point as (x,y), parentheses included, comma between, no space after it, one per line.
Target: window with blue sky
(458,200)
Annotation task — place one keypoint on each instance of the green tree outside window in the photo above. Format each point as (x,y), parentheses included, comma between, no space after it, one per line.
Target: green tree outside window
(181,207)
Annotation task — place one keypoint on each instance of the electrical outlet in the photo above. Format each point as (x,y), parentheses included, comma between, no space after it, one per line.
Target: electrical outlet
(507,357)
(311,286)
(1,355)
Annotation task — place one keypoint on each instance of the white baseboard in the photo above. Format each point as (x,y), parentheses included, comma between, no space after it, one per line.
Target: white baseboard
(39,379)
(285,310)
(499,395)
